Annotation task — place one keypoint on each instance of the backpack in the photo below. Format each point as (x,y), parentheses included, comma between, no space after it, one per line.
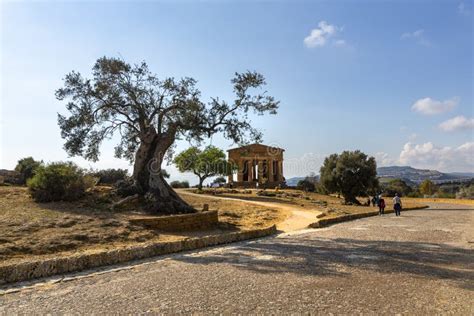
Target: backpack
(382,203)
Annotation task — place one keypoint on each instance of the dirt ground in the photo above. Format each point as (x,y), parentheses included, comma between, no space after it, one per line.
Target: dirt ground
(29,229)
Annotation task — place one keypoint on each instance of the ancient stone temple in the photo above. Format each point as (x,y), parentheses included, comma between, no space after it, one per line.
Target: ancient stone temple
(258,166)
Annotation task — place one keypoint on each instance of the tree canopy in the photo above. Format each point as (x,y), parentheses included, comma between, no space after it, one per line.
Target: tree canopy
(397,186)
(27,168)
(351,173)
(203,163)
(427,187)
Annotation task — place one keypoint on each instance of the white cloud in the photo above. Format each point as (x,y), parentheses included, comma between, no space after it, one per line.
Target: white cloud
(417,36)
(383,159)
(320,35)
(428,106)
(457,123)
(447,158)
(340,42)
(463,9)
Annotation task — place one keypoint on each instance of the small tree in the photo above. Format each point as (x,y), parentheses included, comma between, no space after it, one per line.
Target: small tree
(27,168)
(203,163)
(427,187)
(352,174)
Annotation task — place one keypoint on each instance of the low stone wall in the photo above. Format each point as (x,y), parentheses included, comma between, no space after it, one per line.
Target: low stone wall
(323,222)
(48,267)
(193,221)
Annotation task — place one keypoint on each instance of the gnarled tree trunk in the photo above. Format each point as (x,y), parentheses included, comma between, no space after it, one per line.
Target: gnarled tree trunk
(149,180)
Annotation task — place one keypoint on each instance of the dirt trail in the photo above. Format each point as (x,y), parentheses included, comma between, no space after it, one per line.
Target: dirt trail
(299,219)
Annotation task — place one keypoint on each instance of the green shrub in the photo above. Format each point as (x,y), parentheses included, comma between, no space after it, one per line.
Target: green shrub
(466,192)
(58,181)
(110,176)
(179,184)
(27,168)
(306,185)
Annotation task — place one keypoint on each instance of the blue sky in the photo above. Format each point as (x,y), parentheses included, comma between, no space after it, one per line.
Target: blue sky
(392,78)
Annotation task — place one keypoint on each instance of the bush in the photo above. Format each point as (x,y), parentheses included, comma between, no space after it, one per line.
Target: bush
(110,176)
(179,184)
(8,177)
(466,192)
(27,168)
(396,186)
(306,186)
(125,187)
(59,181)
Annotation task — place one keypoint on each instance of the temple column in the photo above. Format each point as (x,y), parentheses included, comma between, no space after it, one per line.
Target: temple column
(240,171)
(260,171)
(251,170)
(280,170)
(271,178)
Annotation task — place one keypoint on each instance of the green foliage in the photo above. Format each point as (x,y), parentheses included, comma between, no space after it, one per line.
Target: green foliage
(134,103)
(466,192)
(306,185)
(179,184)
(203,163)
(352,174)
(427,187)
(27,168)
(110,176)
(219,180)
(396,186)
(59,181)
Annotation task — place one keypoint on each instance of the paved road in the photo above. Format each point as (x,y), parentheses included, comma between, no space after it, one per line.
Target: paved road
(420,263)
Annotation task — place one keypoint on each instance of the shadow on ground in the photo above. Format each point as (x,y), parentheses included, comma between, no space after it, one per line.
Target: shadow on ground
(335,257)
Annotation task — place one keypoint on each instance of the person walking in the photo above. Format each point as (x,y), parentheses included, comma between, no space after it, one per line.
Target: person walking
(381,205)
(397,204)
(374,199)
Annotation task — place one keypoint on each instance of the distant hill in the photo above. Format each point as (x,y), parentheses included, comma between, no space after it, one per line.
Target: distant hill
(412,175)
(408,174)
(292,182)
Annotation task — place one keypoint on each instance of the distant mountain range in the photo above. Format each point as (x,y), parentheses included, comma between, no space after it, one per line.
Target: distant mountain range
(413,175)
(409,175)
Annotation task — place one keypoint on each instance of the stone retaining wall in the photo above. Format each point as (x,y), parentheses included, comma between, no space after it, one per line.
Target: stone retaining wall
(48,267)
(323,222)
(193,221)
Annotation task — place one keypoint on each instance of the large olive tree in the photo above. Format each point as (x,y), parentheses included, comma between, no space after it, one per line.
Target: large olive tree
(149,114)
(351,173)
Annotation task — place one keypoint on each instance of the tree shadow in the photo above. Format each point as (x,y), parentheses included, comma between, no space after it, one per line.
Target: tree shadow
(334,257)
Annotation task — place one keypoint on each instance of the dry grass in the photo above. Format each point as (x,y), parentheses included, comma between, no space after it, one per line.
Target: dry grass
(29,229)
(239,214)
(330,206)
(439,200)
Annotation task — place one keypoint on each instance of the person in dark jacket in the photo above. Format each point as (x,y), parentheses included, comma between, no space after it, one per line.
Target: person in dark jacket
(381,206)
(397,204)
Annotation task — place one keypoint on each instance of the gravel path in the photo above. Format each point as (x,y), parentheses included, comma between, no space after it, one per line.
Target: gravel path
(419,263)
